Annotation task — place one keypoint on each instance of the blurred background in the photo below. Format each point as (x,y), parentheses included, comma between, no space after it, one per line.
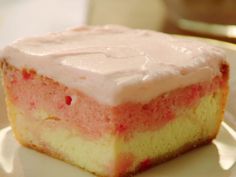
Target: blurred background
(206,18)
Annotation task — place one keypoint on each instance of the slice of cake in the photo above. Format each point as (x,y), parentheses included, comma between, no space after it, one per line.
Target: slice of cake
(114,100)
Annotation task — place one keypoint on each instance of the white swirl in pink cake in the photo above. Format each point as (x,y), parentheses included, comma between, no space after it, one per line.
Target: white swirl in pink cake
(116,64)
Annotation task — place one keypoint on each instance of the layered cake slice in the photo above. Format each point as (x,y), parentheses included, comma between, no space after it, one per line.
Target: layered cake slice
(114,100)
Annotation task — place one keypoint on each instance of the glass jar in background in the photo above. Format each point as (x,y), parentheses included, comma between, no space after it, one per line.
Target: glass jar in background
(207,18)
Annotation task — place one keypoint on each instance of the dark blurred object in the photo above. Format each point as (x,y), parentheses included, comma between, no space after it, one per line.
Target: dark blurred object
(206,18)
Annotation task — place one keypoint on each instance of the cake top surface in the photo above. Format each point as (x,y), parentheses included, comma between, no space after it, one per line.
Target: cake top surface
(115,64)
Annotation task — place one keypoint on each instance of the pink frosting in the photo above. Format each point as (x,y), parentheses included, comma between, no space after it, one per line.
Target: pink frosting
(115,64)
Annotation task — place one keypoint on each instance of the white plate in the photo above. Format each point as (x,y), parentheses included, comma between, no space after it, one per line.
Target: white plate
(217,159)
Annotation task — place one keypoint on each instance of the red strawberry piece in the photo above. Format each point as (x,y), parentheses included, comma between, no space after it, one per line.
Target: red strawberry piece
(68,100)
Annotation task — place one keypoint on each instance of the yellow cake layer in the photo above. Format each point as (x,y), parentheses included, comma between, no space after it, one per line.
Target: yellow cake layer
(191,126)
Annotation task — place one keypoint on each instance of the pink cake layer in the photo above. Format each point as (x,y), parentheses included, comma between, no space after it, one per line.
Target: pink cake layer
(31,92)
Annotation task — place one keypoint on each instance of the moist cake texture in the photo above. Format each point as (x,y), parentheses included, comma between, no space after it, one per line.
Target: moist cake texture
(114,100)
